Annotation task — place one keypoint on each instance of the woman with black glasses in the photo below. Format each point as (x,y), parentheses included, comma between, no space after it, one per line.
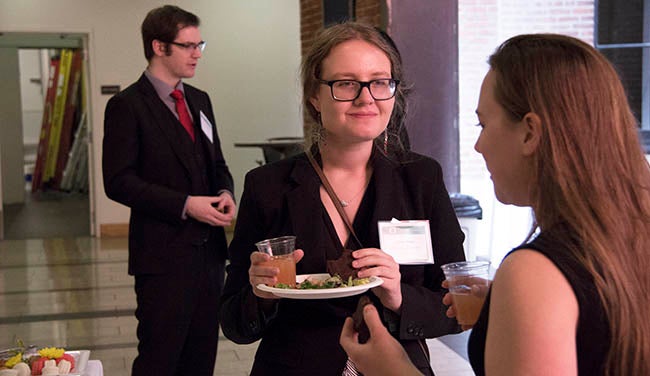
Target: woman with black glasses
(354,94)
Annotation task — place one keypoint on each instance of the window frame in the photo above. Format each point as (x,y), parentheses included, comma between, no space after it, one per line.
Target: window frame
(644,121)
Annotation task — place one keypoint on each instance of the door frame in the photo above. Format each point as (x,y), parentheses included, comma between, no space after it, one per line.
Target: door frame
(59,39)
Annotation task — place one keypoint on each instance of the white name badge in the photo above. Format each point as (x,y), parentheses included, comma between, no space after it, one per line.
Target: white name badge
(408,242)
(206,126)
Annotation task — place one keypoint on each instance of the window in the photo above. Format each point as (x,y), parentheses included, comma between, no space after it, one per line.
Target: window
(622,33)
(335,11)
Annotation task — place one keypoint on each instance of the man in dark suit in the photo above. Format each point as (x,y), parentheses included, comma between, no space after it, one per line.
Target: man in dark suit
(162,158)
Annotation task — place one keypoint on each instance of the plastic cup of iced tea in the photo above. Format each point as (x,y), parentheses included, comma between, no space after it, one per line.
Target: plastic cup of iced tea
(281,252)
(461,276)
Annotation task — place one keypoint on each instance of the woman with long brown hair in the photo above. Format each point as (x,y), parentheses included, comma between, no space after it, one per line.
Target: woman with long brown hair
(558,135)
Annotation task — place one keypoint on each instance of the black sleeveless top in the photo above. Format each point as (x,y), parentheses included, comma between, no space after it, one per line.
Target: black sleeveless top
(592,336)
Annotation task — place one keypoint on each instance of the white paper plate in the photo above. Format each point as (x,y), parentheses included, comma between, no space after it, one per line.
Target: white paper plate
(338,292)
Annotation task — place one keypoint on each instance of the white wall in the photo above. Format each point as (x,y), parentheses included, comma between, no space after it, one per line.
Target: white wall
(31,94)
(13,184)
(249,68)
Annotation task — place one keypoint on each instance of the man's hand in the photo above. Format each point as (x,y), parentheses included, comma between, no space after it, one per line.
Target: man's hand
(226,204)
(213,210)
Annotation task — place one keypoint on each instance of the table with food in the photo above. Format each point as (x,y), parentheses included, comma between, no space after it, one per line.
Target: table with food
(47,361)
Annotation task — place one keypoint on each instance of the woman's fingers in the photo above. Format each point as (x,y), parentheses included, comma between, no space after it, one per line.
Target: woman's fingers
(372,320)
(369,257)
(371,317)
(258,273)
(380,271)
(375,262)
(446,300)
(259,257)
(451,312)
(480,290)
(298,254)
(348,335)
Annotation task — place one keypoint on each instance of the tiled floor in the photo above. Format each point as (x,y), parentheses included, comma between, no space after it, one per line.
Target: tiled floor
(40,216)
(75,292)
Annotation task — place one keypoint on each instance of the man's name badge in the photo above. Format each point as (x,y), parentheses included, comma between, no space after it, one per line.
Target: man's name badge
(408,242)
(206,126)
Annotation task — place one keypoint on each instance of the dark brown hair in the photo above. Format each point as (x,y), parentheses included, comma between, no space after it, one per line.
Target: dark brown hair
(590,174)
(163,24)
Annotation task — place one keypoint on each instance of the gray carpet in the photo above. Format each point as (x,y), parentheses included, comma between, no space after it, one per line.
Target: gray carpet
(48,215)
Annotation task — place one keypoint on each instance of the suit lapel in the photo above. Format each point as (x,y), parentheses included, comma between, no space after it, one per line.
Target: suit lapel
(165,121)
(303,202)
(390,192)
(194,103)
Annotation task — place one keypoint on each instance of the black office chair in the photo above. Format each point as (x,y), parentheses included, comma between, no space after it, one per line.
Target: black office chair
(290,146)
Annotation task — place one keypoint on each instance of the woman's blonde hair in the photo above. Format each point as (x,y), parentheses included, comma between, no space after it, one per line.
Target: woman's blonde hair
(591,174)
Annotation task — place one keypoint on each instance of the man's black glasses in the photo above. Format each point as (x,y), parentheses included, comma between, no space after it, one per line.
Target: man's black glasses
(190,46)
(348,90)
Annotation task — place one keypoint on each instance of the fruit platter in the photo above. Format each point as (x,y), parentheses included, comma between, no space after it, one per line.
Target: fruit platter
(45,361)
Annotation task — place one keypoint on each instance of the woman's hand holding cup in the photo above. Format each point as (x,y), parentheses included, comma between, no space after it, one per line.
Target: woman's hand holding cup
(480,291)
(275,262)
(468,286)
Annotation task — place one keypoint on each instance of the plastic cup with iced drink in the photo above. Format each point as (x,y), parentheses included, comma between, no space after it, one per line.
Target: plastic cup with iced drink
(281,252)
(461,276)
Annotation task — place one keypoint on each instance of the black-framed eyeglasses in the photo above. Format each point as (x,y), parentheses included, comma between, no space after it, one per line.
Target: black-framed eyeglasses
(348,90)
(190,46)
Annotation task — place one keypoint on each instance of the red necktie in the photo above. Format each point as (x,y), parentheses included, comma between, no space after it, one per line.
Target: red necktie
(181,110)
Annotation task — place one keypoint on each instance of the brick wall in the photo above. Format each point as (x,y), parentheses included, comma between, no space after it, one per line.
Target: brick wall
(311,21)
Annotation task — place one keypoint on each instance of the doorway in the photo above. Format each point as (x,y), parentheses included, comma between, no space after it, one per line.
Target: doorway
(59,205)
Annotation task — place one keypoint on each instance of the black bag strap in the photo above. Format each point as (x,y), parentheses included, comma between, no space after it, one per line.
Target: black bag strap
(333,196)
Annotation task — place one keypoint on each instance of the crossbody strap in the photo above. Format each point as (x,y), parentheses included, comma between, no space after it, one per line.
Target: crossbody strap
(332,194)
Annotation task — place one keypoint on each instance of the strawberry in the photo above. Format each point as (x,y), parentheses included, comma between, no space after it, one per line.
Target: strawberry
(37,366)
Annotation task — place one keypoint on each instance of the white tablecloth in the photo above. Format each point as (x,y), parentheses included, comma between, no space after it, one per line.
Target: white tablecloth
(94,368)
